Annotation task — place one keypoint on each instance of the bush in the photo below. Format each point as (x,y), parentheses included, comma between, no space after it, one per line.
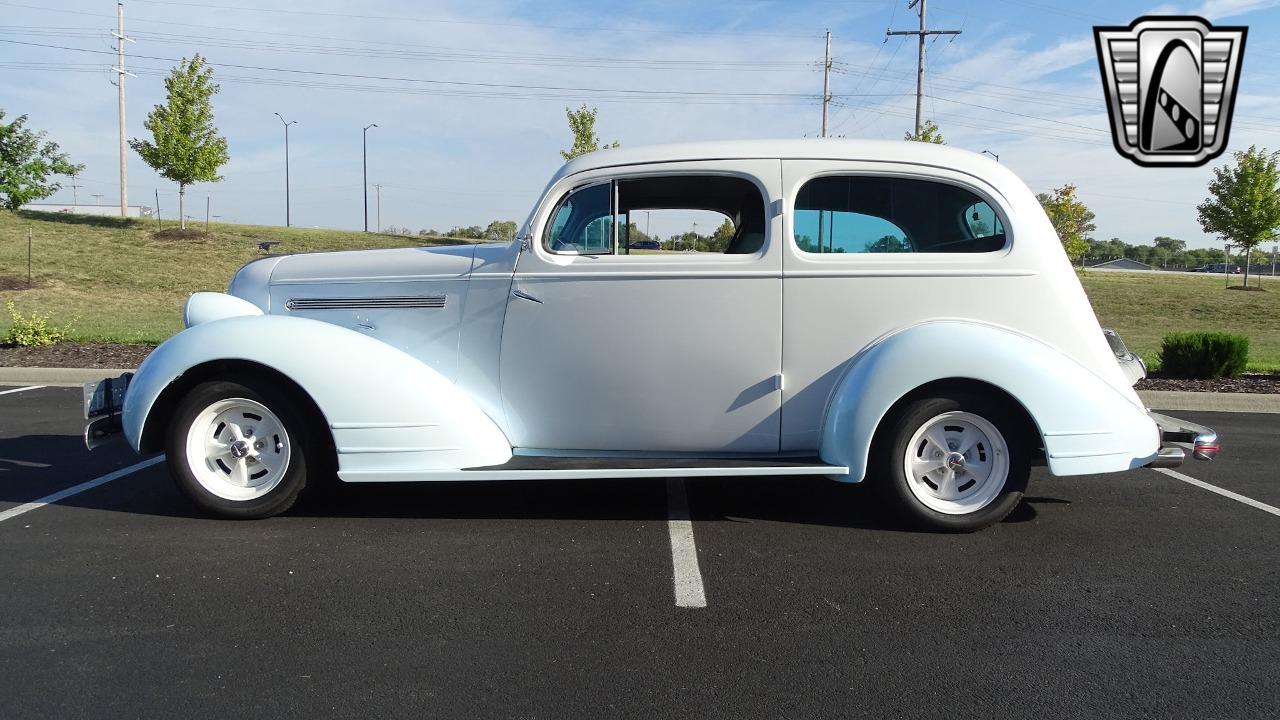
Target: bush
(1203,354)
(33,331)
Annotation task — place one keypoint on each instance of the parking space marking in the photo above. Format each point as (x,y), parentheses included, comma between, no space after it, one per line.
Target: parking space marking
(1223,492)
(686,576)
(76,489)
(21,389)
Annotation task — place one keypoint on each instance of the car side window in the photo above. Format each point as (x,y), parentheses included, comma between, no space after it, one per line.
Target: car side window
(879,214)
(583,222)
(660,215)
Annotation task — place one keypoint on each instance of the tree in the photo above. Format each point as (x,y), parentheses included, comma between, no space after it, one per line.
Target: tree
(722,236)
(582,123)
(1170,244)
(888,244)
(1071,218)
(500,231)
(929,133)
(1244,204)
(186,147)
(27,161)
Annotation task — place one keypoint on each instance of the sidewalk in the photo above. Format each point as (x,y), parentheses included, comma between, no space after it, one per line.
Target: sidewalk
(1154,399)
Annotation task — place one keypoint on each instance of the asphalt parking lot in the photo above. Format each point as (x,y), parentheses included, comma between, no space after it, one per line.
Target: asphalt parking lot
(1134,595)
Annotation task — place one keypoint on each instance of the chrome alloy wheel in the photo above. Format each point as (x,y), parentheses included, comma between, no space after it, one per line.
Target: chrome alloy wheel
(956,463)
(237,449)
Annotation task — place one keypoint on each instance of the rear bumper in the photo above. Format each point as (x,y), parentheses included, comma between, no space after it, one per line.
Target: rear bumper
(1176,436)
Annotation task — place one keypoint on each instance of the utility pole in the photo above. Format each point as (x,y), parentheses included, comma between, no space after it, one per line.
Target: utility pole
(921,33)
(75,185)
(365,165)
(378,187)
(826,83)
(97,198)
(121,38)
(207,200)
(287,221)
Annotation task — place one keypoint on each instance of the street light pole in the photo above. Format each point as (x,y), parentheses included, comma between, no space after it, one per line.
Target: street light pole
(287,219)
(364,137)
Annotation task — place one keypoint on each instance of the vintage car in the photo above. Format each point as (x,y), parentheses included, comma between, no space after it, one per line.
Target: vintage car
(892,311)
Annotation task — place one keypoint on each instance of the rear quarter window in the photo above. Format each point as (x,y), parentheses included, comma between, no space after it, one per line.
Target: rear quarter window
(843,214)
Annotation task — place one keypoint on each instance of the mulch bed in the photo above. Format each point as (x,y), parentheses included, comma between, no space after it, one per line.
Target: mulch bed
(180,234)
(13,282)
(75,355)
(1247,383)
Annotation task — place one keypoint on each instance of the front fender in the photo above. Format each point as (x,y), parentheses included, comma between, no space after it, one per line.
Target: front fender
(1088,425)
(388,412)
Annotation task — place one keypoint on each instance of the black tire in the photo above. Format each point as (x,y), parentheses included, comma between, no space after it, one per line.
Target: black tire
(300,431)
(889,451)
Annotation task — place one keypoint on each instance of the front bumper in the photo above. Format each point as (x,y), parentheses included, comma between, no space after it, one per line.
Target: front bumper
(1175,434)
(103,402)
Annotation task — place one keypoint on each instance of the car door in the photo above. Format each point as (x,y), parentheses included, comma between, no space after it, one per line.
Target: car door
(611,345)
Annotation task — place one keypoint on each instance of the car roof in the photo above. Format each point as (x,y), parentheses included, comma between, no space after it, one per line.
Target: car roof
(788,149)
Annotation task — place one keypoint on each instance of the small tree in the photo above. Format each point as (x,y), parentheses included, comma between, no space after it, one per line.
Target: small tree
(27,161)
(582,123)
(1071,218)
(929,133)
(186,147)
(1243,207)
(500,231)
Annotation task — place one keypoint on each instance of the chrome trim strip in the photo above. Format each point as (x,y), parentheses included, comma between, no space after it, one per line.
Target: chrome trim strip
(367,303)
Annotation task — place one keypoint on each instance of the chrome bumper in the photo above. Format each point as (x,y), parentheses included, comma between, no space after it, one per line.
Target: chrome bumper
(1203,441)
(103,401)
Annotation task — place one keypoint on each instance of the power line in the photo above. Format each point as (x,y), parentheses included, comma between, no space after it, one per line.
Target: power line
(451,83)
(444,21)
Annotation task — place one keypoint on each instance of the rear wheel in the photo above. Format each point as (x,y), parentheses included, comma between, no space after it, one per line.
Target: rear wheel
(953,463)
(240,451)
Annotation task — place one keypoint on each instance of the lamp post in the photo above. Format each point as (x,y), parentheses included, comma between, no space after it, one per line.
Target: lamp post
(287,219)
(988,152)
(364,137)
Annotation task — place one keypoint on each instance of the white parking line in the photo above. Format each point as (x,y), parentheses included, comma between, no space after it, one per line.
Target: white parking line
(76,489)
(684,553)
(21,389)
(1224,493)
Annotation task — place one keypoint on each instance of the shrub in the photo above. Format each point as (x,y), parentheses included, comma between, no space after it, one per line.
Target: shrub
(32,331)
(1204,354)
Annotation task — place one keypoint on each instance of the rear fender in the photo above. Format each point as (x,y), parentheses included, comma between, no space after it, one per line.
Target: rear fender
(387,411)
(1087,425)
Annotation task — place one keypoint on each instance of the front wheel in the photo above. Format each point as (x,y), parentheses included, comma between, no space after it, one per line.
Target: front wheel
(239,451)
(953,463)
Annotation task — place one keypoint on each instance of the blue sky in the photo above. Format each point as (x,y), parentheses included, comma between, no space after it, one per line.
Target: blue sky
(1021,81)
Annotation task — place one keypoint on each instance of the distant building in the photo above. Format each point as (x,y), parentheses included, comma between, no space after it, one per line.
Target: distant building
(1119,264)
(133,211)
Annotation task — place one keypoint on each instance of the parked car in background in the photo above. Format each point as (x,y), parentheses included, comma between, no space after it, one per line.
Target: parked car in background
(1219,268)
(901,313)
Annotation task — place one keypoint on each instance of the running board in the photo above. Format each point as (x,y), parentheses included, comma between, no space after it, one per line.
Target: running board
(530,467)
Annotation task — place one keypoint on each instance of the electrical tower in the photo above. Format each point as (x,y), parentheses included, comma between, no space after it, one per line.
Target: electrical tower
(921,33)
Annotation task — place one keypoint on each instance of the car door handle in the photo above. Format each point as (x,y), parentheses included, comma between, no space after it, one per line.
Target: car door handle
(525,296)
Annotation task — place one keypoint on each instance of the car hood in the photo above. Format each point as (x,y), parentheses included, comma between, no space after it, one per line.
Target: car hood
(442,262)
(253,281)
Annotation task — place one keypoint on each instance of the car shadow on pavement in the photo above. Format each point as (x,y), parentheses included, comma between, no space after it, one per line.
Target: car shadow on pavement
(35,466)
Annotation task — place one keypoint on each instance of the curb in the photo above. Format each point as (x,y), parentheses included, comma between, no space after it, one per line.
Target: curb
(56,377)
(1157,399)
(1210,402)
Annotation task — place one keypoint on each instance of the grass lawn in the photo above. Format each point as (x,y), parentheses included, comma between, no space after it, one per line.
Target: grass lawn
(1145,306)
(110,280)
